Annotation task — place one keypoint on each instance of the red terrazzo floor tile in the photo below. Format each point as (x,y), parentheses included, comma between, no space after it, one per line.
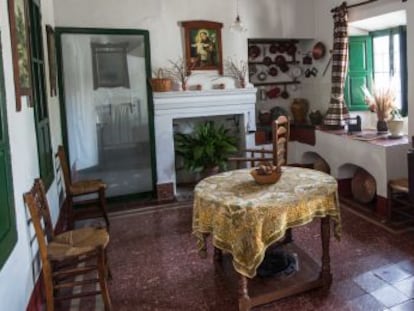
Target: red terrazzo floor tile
(155,263)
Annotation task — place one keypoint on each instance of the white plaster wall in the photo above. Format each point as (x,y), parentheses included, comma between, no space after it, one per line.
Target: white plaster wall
(16,281)
(264,18)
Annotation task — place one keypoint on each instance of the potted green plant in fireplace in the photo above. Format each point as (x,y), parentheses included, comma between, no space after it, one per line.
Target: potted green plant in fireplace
(206,149)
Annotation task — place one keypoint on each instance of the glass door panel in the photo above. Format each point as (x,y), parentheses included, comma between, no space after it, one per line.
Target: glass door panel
(106,106)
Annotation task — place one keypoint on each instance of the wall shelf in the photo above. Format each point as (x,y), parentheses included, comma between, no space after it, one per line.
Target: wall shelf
(276,83)
(271,63)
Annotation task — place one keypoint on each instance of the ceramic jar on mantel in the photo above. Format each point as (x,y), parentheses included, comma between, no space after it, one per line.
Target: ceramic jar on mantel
(299,109)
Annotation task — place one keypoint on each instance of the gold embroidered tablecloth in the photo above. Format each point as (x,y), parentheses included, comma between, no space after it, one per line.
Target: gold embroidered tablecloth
(244,218)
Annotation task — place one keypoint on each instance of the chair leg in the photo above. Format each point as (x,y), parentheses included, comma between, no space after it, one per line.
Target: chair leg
(50,300)
(71,213)
(288,236)
(108,269)
(389,204)
(102,280)
(102,205)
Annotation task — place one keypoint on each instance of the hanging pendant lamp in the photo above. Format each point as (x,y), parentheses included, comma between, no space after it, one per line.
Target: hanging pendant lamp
(237,25)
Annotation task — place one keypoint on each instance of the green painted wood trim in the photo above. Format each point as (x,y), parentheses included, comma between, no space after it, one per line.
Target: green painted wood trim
(359,73)
(40,100)
(59,31)
(402,31)
(9,238)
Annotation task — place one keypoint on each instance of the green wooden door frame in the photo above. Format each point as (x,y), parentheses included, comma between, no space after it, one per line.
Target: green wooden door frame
(8,233)
(40,100)
(59,31)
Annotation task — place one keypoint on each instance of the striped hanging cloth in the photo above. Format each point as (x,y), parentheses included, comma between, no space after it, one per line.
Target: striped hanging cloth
(338,112)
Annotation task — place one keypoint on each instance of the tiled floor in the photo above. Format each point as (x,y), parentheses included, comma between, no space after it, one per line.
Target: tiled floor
(155,266)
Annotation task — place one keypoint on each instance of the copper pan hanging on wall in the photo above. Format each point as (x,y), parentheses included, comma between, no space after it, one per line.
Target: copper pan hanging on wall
(318,50)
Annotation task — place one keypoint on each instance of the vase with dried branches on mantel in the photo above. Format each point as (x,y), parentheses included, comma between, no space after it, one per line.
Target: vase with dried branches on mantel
(236,70)
(179,72)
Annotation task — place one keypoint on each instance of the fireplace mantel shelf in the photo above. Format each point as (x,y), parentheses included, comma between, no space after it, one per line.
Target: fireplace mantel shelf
(202,99)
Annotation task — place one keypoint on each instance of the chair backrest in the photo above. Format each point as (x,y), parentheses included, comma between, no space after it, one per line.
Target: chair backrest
(36,201)
(410,162)
(280,136)
(61,154)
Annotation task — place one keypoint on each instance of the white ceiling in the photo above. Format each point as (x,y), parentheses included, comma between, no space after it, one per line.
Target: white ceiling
(379,22)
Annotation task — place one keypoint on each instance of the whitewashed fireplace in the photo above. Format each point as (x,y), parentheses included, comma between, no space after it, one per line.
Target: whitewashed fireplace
(170,106)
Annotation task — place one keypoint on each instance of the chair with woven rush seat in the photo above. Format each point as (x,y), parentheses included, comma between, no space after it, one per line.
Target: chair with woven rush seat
(71,254)
(401,194)
(278,154)
(81,188)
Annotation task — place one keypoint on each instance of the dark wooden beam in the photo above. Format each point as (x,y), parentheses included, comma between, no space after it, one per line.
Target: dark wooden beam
(359,4)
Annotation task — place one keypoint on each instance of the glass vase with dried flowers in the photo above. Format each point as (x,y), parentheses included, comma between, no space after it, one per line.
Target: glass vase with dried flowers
(237,71)
(381,99)
(179,72)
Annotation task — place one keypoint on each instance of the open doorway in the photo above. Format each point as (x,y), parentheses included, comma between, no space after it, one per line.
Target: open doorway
(107,107)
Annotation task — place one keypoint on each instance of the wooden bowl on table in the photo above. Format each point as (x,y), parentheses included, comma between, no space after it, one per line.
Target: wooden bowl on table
(266,179)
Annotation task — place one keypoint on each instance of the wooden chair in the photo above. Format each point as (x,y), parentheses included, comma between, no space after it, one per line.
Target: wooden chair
(68,255)
(278,154)
(81,188)
(401,194)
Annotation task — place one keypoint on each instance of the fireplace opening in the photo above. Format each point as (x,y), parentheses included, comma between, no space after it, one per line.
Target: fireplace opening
(185,180)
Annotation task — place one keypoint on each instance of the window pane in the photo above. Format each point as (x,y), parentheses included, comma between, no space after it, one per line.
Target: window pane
(381,54)
(396,79)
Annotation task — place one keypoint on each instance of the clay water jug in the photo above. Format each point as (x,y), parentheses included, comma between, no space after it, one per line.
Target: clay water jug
(299,109)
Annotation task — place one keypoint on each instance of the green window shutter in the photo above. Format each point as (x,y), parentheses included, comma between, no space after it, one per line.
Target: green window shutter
(44,147)
(8,234)
(359,72)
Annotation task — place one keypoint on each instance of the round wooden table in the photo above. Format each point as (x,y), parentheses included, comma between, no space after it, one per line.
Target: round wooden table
(245,218)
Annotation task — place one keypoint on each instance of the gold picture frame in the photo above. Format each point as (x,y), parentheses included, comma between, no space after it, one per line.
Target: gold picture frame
(203,48)
(19,33)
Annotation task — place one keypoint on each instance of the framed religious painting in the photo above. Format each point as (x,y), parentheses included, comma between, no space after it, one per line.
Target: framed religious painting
(51,56)
(19,33)
(203,49)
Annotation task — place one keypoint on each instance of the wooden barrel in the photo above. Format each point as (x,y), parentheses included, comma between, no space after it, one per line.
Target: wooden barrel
(363,186)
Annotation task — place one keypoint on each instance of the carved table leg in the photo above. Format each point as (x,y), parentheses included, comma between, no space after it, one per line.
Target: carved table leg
(288,236)
(326,275)
(244,299)
(203,250)
(218,254)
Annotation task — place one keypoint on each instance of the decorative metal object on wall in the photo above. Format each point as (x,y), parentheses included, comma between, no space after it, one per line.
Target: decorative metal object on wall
(19,37)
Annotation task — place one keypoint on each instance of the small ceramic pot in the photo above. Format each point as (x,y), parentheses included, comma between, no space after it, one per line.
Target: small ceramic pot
(395,127)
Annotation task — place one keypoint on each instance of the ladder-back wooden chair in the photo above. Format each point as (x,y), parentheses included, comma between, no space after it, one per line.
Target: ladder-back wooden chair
(278,154)
(71,254)
(401,195)
(81,188)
